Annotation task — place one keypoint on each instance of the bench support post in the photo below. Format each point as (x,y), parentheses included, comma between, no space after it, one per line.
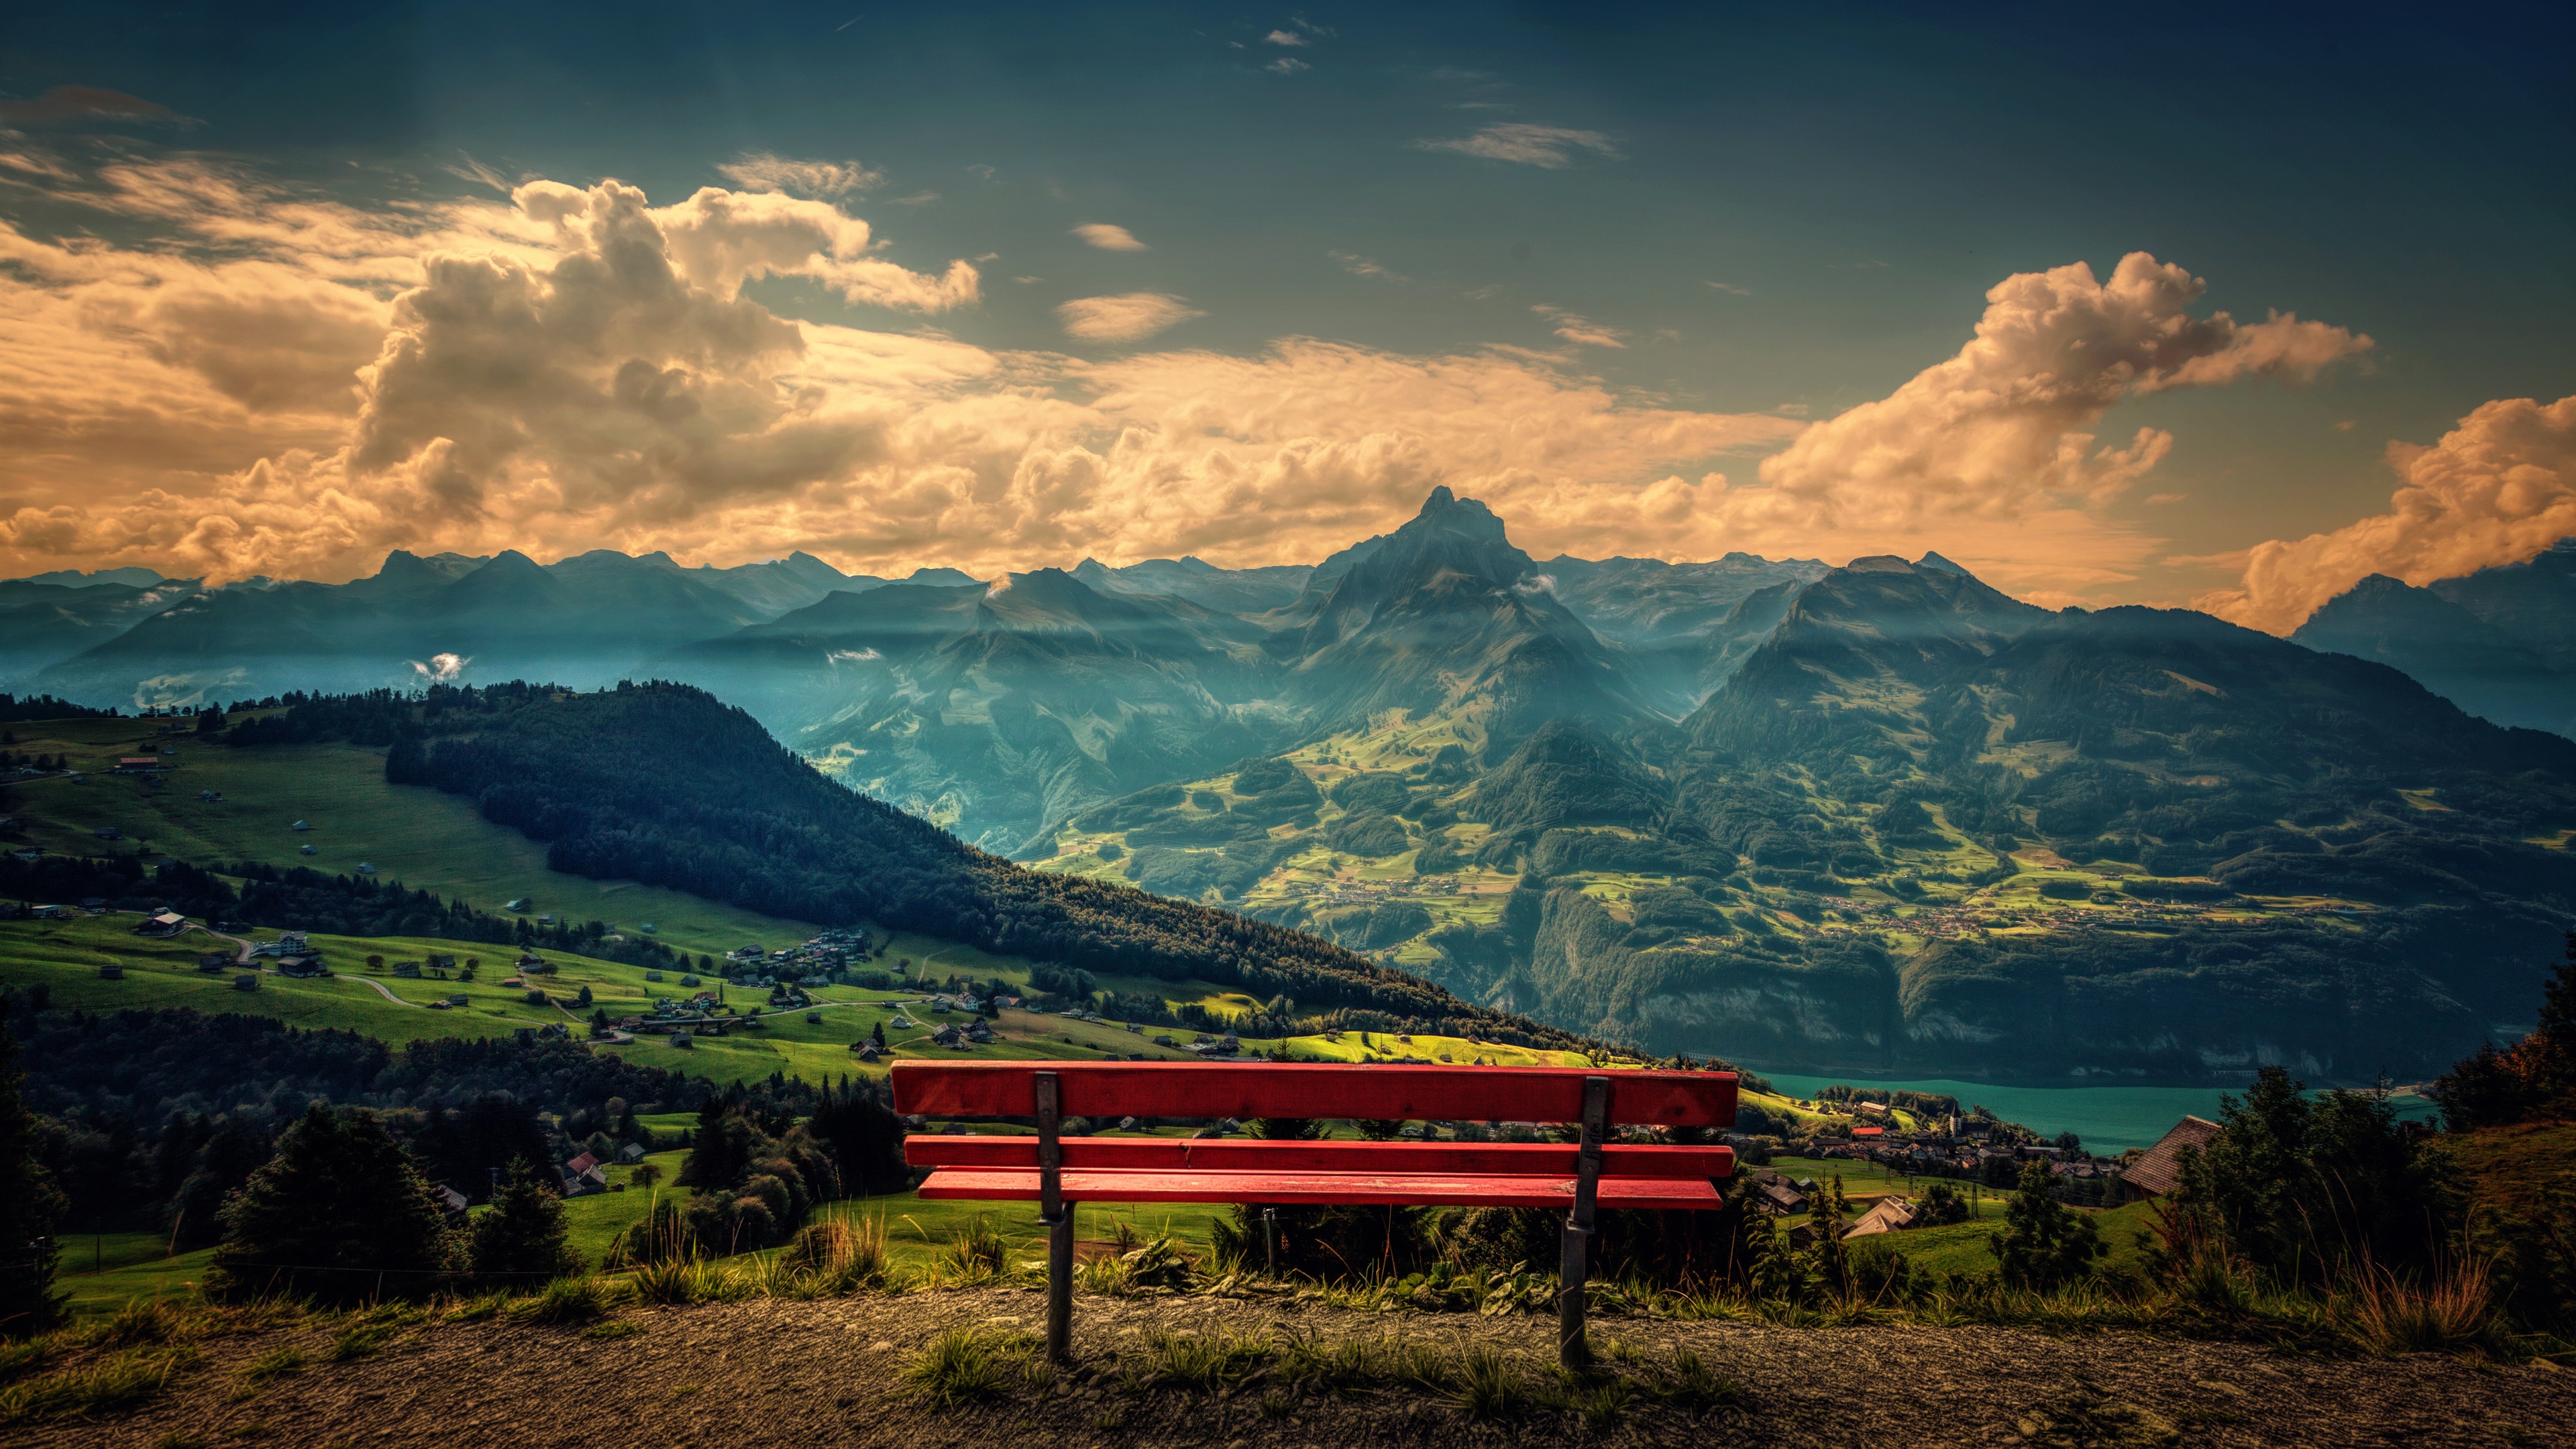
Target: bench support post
(1057,1217)
(1573,1350)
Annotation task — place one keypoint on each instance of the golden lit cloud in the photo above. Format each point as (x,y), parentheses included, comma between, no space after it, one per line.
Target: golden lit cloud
(278,384)
(2497,489)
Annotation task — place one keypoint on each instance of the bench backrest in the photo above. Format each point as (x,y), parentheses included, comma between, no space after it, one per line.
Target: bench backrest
(1243,1090)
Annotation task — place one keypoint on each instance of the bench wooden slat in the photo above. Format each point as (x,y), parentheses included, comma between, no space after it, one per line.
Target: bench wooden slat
(1428,1189)
(1248,1089)
(1235,1155)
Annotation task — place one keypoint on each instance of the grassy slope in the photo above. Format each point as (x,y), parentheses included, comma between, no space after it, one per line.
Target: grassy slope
(418,836)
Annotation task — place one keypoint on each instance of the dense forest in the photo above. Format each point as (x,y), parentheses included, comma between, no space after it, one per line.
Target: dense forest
(146,1119)
(665,784)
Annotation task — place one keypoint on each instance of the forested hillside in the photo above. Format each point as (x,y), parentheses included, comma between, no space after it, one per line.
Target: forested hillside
(665,784)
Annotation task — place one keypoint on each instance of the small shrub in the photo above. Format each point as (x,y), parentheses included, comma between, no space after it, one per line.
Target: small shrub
(1205,1362)
(975,1254)
(963,1366)
(688,1280)
(565,1300)
(1691,1383)
(2454,1312)
(1489,1385)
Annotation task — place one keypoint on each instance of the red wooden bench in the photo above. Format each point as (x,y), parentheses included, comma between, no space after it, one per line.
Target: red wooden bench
(1057,1172)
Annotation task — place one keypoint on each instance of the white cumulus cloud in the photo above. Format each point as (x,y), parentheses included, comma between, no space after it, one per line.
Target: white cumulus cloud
(1128,317)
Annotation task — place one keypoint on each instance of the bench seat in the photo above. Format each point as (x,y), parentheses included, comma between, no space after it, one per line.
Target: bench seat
(1428,1189)
(1222,1154)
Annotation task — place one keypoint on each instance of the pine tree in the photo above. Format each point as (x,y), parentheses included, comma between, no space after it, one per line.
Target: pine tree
(340,1215)
(519,1240)
(2044,1243)
(30,1205)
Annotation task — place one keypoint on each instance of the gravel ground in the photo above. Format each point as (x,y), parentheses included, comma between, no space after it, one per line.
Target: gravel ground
(828,1373)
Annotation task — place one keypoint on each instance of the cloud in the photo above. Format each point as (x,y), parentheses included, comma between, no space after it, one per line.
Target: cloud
(1579,330)
(1995,449)
(83,103)
(1108,238)
(1550,147)
(1731,287)
(466,168)
(761,171)
(249,379)
(2497,489)
(1360,266)
(1128,317)
(1286,65)
(1284,37)
(441,668)
(722,239)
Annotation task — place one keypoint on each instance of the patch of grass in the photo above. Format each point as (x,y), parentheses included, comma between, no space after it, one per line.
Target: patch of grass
(967,1365)
(1205,1362)
(689,1280)
(614,1328)
(1490,1384)
(362,1340)
(477,1309)
(1691,1383)
(147,1321)
(564,1301)
(116,1382)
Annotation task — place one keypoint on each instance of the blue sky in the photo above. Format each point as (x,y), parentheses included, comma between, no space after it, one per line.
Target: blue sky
(1782,211)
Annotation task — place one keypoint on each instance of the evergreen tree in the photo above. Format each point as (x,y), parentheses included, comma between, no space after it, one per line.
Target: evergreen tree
(340,1215)
(2045,1243)
(519,1240)
(864,1138)
(30,1205)
(878,1034)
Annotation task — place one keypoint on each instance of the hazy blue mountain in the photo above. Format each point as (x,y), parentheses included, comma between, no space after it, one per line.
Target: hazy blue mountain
(1681,625)
(1228,591)
(2449,649)
(2529,603)
(42,623)
(1445,614)
(583,621)
(780,584)
(993,710)
(130,577)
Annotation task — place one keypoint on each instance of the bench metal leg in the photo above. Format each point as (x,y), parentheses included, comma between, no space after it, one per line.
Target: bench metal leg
(1057,1215)
(1059,1333)
(1573,1350)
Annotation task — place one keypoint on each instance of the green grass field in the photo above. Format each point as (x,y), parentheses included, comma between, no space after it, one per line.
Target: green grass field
(66,955)
(425,839)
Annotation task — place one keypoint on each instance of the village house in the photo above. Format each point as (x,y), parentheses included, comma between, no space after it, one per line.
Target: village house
(1889,1214)
(162,923)
(2159,1172)
(214,960)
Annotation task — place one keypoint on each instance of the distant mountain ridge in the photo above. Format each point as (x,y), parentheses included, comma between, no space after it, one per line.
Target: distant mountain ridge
(2498,642)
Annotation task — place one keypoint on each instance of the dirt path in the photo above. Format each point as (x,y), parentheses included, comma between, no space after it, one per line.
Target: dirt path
(772,1372)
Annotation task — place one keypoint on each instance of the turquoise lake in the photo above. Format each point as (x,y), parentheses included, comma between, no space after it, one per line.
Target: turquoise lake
(2108,1119)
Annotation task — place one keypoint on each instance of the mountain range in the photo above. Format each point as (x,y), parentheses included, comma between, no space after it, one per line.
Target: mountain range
(1880,817)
